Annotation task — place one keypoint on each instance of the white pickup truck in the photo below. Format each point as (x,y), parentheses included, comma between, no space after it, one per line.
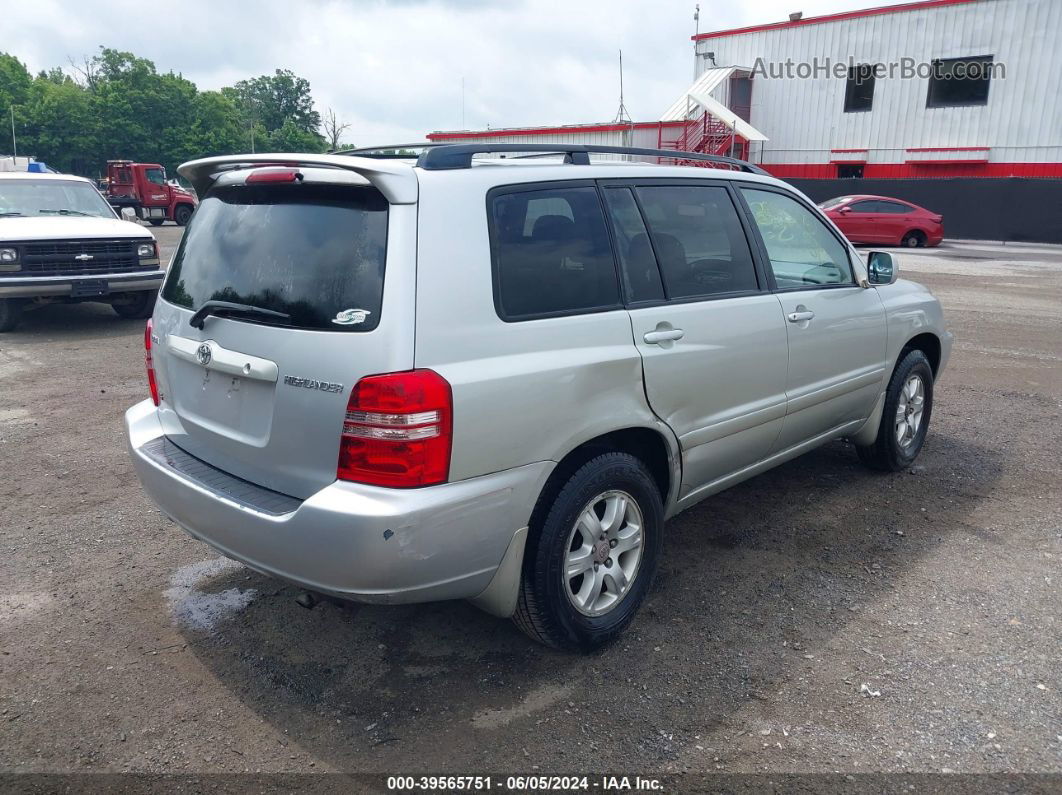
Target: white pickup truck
(61,241)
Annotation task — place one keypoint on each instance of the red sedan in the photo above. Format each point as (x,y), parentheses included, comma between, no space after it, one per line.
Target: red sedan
(880,219)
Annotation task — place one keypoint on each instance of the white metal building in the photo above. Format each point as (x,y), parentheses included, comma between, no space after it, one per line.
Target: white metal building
(812,92)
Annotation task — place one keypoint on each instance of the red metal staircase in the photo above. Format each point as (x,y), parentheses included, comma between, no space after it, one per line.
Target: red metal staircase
(708,135)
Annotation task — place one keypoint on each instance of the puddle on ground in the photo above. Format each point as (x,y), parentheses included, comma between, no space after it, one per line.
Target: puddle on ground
(194,608)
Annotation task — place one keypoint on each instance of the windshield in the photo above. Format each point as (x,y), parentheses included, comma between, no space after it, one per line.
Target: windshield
(830,203)
(50,197)
(314,252)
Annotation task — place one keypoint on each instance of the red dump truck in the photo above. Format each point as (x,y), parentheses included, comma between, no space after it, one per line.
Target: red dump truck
(143,187)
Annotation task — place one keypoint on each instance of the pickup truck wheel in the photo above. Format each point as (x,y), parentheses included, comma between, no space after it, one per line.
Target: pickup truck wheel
(182,214)
(905,418)
(10,313)
(591,555)
(139,305)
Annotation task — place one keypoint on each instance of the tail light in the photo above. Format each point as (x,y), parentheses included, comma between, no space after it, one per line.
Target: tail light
(398,430)
(152,383)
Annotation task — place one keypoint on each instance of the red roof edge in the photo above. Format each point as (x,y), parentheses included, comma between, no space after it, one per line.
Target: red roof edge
(571,128)
(862,12)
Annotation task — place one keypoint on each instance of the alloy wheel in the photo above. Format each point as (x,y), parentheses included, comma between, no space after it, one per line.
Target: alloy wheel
(604,553)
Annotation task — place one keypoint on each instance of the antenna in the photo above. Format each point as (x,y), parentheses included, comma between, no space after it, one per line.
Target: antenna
(14,146)
(463,104)
(622,117)
(696,33)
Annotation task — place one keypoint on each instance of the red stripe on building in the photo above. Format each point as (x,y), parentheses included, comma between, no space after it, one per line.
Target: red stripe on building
(918,170)
(863,12)
(579,128)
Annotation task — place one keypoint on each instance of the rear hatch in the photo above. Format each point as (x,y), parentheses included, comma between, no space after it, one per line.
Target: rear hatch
(262,396)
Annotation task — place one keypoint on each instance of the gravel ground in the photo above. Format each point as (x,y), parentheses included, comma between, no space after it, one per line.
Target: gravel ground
(817,618)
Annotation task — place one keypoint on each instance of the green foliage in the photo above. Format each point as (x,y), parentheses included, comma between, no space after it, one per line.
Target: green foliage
(120,107)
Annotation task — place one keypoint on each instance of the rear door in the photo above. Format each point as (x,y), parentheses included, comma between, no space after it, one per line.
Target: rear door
(713,345)
(836,328)
(265,398)
(894,221)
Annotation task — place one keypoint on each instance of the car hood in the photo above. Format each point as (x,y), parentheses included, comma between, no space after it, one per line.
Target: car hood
(67,227)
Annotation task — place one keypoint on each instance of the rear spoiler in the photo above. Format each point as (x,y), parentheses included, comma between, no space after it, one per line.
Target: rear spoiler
(396,181)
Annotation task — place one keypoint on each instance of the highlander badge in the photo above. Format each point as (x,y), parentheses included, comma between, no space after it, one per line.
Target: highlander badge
(203,354)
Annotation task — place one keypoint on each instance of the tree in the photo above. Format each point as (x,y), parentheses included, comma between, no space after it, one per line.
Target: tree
(333,129)
(115,104)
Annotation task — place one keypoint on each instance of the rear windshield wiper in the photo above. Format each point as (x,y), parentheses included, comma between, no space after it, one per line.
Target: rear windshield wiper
(64,211)
(227,308)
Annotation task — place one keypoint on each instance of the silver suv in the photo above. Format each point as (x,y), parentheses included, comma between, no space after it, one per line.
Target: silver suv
(494,379)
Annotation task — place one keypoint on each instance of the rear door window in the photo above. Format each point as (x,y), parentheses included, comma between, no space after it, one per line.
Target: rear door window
(698,240)
(314,252)
(551,253)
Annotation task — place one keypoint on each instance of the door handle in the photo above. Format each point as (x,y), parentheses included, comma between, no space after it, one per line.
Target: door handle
(664,335)
(800,316)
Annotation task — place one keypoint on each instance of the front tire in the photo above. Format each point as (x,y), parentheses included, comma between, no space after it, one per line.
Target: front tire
(591,554)
(905,418)
(139,305)
(10,313)
(182,214)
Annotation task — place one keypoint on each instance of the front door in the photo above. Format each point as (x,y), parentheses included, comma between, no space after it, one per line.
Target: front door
(713,344)
(836,329)
(859,221)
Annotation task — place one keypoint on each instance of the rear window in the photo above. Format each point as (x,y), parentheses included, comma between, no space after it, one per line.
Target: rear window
(552,254)
(314,252)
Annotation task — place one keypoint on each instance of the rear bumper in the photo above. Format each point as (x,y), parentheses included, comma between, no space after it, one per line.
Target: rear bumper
(353,541)
(31,286)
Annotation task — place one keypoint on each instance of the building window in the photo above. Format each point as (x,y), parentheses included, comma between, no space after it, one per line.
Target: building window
(859,91)
(954,82)
(849,170)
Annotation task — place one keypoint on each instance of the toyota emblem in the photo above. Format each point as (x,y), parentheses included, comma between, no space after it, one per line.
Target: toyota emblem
(203,354)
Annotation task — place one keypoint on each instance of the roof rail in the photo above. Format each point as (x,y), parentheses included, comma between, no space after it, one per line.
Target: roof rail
(386,151)
(450,156)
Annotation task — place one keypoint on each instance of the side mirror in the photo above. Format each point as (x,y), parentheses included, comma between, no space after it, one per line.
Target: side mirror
(881,268)
(845,210)
(128,214)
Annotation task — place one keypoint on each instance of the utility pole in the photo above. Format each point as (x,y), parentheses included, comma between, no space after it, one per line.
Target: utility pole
(463,103)
(14,146)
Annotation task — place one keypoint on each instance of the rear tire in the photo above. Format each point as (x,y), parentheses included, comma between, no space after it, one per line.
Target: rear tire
(156,221)
(905,418)
(10,313)
(913,239)
(182,214)
(612,501)
(140,306)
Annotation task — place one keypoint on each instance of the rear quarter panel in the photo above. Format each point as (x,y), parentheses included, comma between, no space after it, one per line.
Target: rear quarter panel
(523,392)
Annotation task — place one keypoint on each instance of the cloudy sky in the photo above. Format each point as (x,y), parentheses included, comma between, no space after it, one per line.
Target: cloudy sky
(393,70)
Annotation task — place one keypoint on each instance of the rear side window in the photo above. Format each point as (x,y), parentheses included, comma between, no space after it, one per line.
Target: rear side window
(551,253)
(894,208)
(698,240)
(314,252)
